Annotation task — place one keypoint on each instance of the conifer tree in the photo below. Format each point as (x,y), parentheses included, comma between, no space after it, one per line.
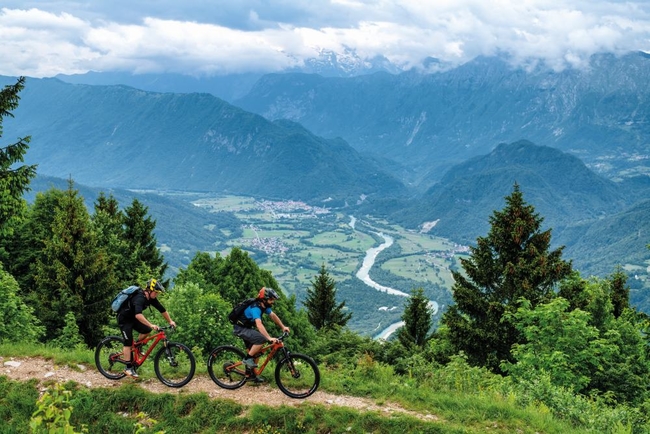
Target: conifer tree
(418,319)
(322,309)
(27,243)
(108,223)
(144,257)
(14,180)
(512,262)
(74,274)
(619,292)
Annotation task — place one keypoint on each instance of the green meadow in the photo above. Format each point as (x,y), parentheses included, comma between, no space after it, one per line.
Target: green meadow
(293,240)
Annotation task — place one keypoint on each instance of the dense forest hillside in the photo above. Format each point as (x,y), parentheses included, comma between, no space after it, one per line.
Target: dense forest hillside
(115,136)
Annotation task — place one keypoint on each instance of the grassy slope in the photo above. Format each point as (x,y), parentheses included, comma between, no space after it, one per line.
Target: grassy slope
(433,411)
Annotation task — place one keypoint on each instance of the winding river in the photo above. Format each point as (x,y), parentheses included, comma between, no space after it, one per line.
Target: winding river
(364,275)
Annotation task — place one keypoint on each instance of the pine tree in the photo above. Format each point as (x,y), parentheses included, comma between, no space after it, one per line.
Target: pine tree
(619,292)
(511,263)
(322,308)
(14,180)
(108,223)
(418,319)
(27,243)
(74,274)
(144,258)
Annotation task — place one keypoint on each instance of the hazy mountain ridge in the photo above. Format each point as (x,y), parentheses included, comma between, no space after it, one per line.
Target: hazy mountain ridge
(116,136)
(601,222)
(236,85)
(431,122)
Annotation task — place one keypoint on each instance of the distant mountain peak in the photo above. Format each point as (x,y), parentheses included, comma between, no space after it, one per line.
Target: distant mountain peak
(346,63)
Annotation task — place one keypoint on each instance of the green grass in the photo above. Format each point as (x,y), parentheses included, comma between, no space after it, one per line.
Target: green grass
(434,404)
(421,268)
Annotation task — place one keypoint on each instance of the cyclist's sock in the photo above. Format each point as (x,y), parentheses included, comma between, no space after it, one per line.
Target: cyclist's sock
(129,365)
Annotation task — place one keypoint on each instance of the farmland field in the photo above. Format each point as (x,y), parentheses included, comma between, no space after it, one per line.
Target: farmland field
(292,240)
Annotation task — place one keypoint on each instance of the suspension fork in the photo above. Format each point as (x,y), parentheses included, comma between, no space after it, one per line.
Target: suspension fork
(168,353)
(286,353)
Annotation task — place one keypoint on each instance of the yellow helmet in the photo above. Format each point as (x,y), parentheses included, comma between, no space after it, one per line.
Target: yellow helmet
(155,286)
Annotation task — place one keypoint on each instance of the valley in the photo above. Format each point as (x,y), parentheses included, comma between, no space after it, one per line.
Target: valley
(292,240)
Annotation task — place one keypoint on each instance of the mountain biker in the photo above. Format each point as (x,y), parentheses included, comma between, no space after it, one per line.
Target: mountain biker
(130,317)
(252,317)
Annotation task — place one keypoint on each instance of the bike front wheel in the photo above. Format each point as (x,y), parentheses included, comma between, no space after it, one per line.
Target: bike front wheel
(174,365)
(225,367)
(297,375)
(108,357)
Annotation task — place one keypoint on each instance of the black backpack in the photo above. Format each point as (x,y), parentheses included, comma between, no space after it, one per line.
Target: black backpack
(235,315)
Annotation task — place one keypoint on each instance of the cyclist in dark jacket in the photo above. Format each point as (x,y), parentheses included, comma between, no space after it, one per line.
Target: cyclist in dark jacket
(256,337)
(130,317)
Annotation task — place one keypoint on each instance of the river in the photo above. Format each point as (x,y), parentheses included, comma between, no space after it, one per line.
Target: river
(364,275)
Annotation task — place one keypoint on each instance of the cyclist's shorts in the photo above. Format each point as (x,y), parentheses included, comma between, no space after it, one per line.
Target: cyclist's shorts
(251,335)
(127,328)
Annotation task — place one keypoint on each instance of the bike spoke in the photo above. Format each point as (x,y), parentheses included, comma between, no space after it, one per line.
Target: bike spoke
(225,367)
(175,365)
(108,357)
(297,376)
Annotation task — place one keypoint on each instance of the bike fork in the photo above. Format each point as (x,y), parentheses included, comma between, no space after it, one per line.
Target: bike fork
(292,369)
(170,355)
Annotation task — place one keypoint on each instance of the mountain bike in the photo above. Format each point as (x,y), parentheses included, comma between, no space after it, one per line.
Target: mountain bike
(296,375)
(174,363)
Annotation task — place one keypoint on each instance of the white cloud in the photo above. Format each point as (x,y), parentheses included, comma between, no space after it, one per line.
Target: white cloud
(203,37)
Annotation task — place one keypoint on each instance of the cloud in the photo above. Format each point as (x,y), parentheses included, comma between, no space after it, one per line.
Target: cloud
(44,38)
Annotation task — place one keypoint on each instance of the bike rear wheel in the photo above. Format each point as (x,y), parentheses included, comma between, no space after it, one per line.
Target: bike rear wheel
(108,357)
(225,367)
(174,364)
(297,375)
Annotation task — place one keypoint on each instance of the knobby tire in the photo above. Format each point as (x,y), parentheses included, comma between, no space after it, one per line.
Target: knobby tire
(297,375)
(225,368)
(174,365)
(107,348)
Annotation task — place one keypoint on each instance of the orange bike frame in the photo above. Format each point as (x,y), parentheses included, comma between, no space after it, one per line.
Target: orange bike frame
(269,350)
(137,356)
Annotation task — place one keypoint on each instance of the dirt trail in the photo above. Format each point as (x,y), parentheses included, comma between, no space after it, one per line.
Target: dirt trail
(22,369)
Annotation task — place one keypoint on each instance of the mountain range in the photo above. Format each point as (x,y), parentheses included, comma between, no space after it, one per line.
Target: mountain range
(117,136)
(444,147)
(430,122)
(602,223)
(346,63)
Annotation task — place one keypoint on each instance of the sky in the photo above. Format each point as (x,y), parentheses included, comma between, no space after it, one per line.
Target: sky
(215,37)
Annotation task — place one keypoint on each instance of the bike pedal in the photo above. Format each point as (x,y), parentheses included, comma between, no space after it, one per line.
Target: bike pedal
(257,380)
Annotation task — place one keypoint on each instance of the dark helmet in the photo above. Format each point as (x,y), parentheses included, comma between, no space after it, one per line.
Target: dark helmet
(155,286)
(268,294)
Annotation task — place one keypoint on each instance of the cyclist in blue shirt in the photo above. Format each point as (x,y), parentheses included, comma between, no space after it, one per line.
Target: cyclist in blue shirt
(250,327)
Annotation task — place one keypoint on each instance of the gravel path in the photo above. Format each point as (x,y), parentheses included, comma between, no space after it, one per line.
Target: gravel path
(21,369)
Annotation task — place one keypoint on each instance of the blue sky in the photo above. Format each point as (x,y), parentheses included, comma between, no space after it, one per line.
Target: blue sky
(202,38)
